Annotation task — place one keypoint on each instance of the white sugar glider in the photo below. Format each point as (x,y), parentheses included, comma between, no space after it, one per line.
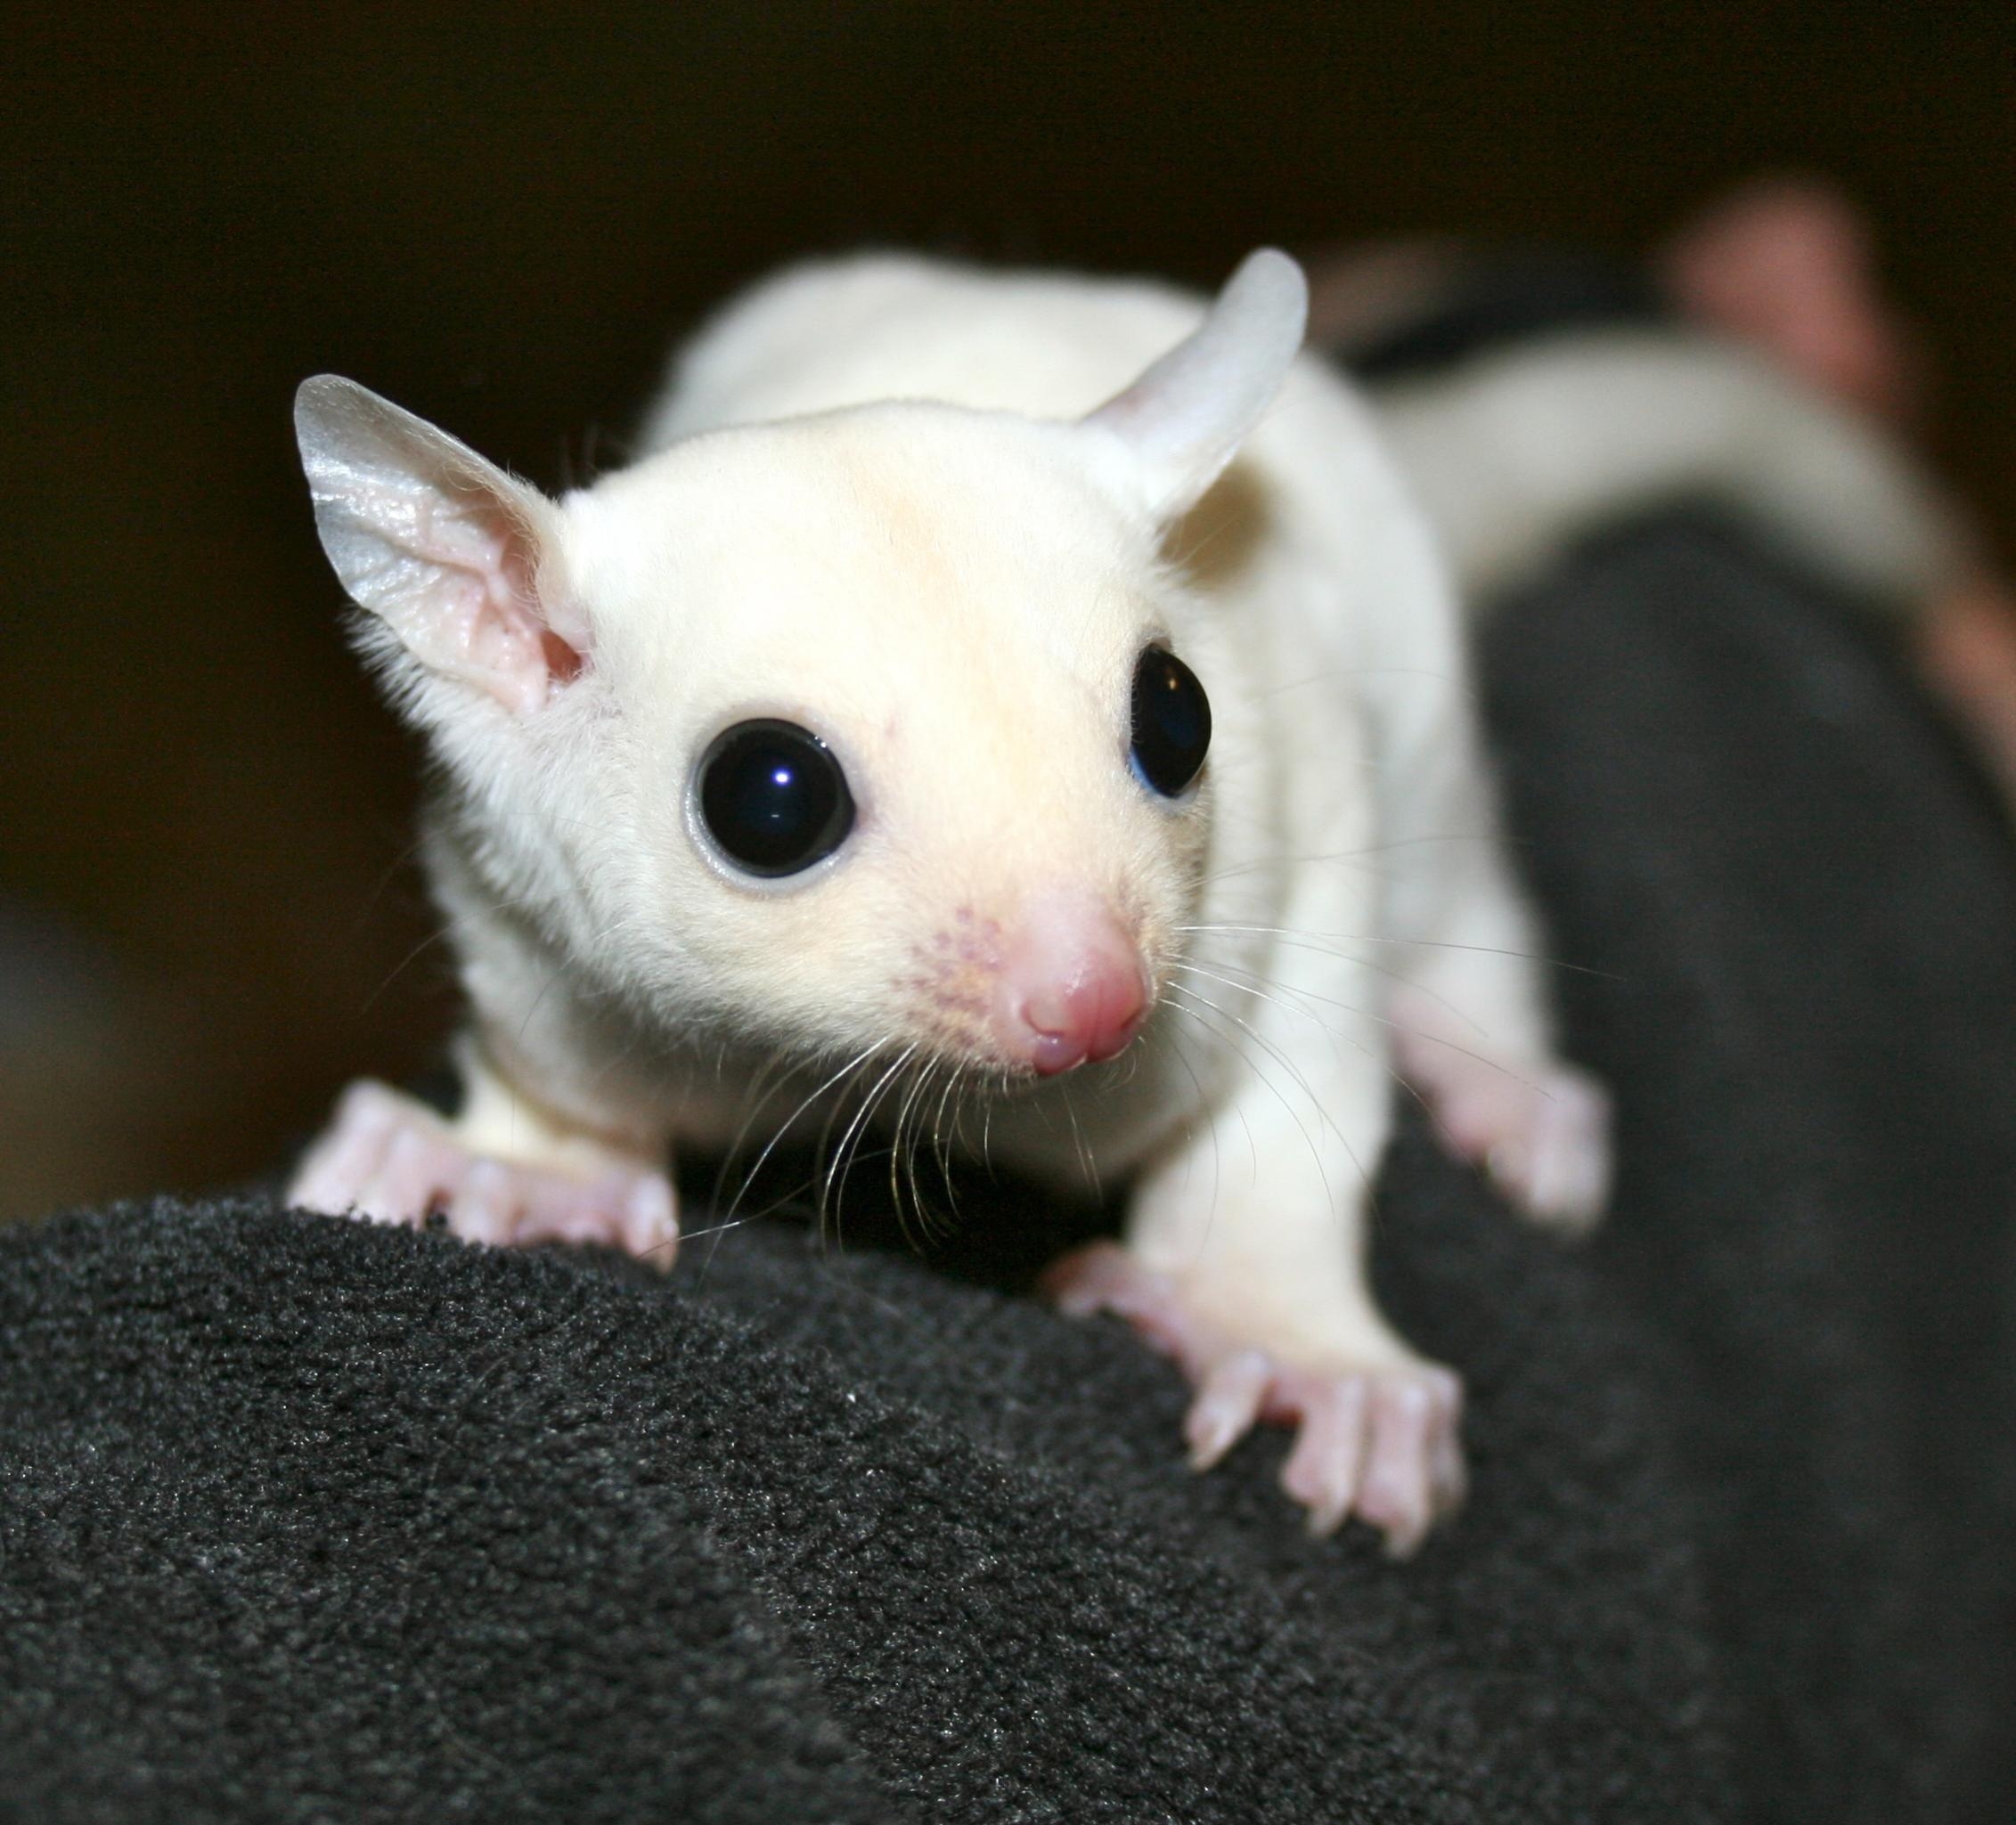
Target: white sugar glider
(1031,692)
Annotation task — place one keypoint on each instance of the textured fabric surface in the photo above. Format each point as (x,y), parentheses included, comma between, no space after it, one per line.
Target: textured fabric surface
(304,1520)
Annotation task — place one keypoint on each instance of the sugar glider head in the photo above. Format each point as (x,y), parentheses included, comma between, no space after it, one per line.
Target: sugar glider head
(887,727)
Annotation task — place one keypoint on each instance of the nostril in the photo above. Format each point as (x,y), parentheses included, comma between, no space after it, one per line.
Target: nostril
(1119,1018)
(1092,1018)
(1048,1010)
(1057,1052)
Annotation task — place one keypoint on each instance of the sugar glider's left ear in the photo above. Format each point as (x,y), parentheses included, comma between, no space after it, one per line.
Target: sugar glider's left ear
(453,555)
(1183,419)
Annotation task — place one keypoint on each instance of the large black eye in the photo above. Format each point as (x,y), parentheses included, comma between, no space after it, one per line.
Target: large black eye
(772,797)
(1171,722)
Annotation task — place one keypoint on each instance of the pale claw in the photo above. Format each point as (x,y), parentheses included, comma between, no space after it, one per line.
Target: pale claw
(1230,1400)
(1414,1459)
(1323,1471)
(388,1158)
(1380,1440)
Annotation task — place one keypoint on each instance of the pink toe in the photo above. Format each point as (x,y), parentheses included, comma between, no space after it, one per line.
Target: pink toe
(1225,1406)
(405,1183)
(483,1208)
(1399,1494)
(1322,1471)
(651,1221)
(348,1157)
(564,1210)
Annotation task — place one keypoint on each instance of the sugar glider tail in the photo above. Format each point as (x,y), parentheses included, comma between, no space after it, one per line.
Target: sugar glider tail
(1520,450)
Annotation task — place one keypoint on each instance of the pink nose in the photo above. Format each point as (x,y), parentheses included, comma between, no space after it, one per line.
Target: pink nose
(1073,987)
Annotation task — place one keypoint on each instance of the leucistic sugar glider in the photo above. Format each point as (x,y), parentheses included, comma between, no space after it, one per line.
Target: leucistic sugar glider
(1019,691)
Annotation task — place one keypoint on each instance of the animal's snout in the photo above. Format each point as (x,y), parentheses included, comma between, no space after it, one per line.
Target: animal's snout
(1073,987)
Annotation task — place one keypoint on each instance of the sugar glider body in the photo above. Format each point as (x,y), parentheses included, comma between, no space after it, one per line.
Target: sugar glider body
(977,538)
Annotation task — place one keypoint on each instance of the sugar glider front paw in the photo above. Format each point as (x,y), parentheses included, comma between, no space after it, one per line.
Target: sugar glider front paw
(388,1158)
(1378,1439)
(1542,1129)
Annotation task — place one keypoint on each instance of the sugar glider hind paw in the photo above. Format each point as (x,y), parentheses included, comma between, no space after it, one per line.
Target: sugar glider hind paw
(388,1158)
(1541,1130)
(1381,1440)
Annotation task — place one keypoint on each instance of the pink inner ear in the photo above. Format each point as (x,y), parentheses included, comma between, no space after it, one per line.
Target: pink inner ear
(485,620)
(563,662)
(516,563)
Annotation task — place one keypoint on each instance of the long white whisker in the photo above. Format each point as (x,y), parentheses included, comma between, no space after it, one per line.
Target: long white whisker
(852,1065)
(768,1080)
(1352,855)
(1084,1153)
(938,1141)
(913,1098)
(841,1157)
(1392,1026)
(1579,969)
(1197,1004)
(1217,1151)
(1249,983)
(1289,942)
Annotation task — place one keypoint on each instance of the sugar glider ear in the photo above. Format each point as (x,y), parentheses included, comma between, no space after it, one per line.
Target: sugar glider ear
(454,555)
(1183,419)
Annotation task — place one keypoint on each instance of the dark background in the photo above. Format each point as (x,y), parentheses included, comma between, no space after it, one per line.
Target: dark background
(502,217)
